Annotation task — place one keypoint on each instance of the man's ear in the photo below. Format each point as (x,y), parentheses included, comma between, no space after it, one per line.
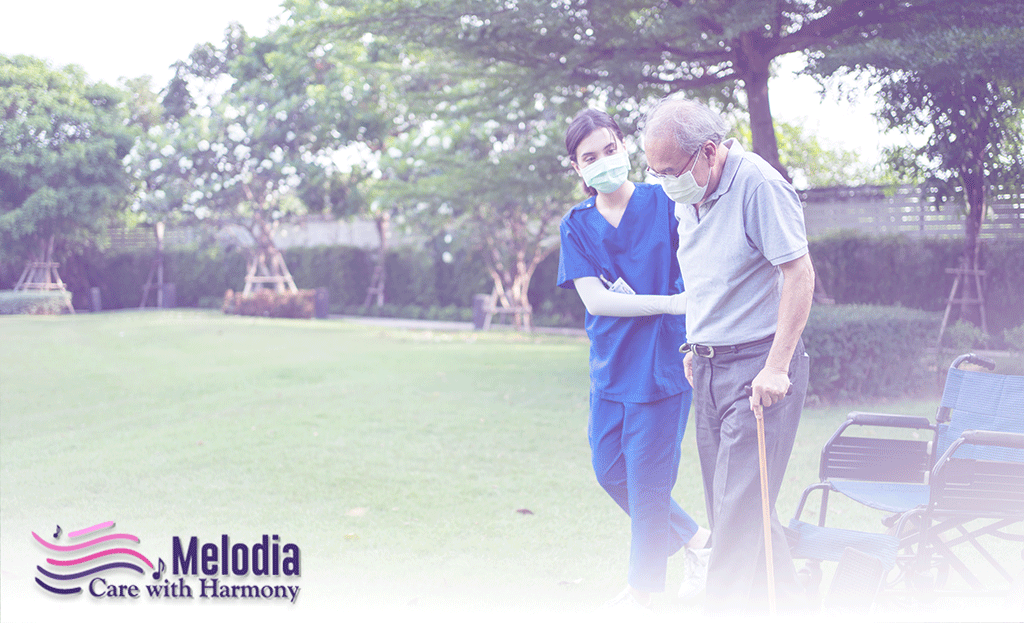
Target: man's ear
(713,150)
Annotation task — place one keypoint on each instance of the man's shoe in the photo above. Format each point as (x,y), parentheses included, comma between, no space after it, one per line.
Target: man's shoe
(696,576)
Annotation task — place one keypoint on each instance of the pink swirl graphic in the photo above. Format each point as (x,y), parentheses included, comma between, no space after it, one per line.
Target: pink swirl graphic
(108,552)
(97,527)
(71,548)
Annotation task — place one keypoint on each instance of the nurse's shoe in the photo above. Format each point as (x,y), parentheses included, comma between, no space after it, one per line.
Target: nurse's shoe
(696,575)
(626,602)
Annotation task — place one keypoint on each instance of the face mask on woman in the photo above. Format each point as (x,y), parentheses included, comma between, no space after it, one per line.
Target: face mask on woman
(683,189)
(608,173)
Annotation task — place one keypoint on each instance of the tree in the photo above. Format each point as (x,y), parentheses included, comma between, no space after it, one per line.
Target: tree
(162,182)
(472,155)
(961,86)
(256,130)
(496,185)
(630,50)
(63,140)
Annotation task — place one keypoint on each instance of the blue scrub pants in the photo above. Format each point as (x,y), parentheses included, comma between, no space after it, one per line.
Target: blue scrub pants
(635,453)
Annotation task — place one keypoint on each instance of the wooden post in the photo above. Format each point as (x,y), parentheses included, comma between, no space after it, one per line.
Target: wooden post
(156,270)
(261,274)
(41,272)
(965,276)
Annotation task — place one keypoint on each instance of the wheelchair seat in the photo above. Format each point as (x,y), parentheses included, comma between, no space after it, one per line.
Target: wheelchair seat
(957,481)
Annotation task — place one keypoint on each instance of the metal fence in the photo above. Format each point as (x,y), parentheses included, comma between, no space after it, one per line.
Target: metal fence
(909,210)
(305,232)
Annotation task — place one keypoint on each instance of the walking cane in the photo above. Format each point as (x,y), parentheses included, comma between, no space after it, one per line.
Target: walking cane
(765,512)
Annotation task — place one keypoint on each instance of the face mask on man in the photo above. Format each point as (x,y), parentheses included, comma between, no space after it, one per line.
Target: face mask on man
(684,188)
(608,173)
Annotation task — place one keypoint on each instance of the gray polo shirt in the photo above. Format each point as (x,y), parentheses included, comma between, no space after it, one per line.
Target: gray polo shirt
(729,251)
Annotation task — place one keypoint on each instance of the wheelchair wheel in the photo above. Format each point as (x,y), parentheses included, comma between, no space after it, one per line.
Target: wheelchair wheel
(919,570)
(810,577)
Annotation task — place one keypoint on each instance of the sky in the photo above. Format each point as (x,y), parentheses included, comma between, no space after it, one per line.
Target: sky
(111,39)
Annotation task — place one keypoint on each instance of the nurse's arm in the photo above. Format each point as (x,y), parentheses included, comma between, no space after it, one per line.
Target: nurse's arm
(772,382)
(600,301)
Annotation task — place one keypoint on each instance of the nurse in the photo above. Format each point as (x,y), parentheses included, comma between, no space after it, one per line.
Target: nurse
(618,252)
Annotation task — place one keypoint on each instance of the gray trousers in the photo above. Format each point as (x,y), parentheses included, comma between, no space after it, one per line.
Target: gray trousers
(727,444)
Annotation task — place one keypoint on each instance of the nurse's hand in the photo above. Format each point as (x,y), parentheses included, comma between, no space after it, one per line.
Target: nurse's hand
(688,368)
(677,304)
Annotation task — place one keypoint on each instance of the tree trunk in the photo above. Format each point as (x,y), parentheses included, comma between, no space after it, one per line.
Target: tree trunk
(511,292)
(158,231)
(757,68)
(379,279)
(975,188)
(512,270)
(266,263)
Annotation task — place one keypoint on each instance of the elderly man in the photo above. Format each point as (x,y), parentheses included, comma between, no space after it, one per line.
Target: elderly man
(743,256)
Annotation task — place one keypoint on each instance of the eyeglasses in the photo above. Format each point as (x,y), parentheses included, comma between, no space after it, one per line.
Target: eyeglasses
(686,167)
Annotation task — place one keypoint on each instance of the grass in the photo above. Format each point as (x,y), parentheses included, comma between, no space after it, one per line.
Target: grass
(415,469)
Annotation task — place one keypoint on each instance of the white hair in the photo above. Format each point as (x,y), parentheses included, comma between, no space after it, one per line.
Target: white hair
(690,123)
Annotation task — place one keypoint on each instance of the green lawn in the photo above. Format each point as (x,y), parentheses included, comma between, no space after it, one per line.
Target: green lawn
(399,461)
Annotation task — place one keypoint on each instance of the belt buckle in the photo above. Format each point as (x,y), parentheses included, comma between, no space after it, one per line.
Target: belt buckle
(698,349)
(704,351)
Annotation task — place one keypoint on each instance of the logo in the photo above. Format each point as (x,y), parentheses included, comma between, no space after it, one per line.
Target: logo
(104,566)
(75,563)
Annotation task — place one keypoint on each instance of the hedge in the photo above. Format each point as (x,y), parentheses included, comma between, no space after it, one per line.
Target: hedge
(862,351)
(851,268)
(910,272)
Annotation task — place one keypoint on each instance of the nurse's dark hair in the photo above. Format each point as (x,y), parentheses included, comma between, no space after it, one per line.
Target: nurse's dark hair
(585,122)
(581,126)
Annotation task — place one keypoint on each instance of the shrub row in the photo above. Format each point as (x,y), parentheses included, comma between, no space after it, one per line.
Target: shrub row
(266,302)
(34,302)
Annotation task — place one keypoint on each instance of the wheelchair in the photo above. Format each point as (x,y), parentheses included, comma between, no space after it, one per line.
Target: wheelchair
(951,493)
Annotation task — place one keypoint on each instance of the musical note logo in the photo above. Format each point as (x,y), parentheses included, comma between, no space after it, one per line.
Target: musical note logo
(161,567)
(68,567)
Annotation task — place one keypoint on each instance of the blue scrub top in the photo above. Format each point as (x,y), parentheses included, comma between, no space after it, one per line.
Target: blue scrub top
(631,359)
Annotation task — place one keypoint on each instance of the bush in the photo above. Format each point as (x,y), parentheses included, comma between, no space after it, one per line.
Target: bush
(52,302)
(963,336)
(1015,338)
(855,268)
(266,302)
(861,351)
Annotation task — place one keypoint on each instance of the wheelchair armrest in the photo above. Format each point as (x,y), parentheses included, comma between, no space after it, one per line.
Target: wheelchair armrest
(877,459)
(993,438)
(888,419)
(995,476)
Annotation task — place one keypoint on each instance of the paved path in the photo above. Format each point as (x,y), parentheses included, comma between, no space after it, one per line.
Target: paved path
(442,325)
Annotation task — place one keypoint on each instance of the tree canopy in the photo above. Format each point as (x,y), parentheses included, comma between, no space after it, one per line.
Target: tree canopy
(63,141)
(628,51)
(960,86)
